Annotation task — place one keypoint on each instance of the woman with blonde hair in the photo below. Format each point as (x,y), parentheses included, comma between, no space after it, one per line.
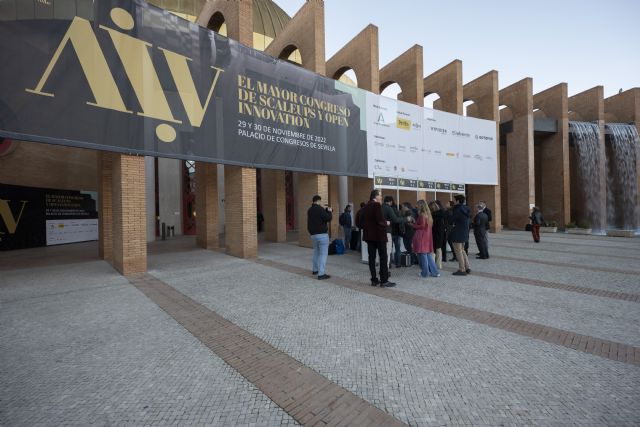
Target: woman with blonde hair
(423,241)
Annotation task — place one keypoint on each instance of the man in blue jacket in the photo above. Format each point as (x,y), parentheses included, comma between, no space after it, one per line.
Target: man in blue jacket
(460,219)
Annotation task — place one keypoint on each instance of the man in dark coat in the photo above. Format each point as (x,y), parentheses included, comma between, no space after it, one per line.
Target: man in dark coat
(487,211)
(459,234)
(374,227)
(480,225)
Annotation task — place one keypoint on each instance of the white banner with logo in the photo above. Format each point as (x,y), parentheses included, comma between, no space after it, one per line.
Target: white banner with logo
(420,148)
(62,231)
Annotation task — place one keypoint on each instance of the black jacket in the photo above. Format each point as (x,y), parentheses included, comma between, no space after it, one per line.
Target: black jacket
(480,223)
(392,215)
(439,227)
(317,219)
(460,220)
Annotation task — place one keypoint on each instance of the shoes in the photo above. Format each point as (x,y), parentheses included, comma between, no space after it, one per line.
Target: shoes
(323,277)
(460,273)
(375,282)
(314,272)
(435,275)
(387,285)
(468,271)
(482,257)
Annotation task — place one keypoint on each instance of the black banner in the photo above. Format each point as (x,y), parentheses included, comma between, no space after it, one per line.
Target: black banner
(33,217)
(133,78)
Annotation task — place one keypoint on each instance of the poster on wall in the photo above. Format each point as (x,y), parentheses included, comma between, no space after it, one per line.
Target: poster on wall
(203,97)
(33,217)
(421,148)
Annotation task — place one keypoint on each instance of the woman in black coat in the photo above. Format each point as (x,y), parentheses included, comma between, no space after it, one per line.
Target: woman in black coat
(439,227)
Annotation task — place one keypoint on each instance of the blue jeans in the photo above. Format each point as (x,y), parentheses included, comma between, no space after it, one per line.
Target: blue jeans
(396,249)
(427,265)
(320,252)
(347,237)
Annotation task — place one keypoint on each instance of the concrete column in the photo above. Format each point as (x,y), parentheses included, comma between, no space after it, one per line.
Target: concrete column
(207,205)
(274,207)
(129,214)
(553,161)
(588,106)
(105,202)
(150,176)
(221,193)
(484,93)
(241,227)
(308,186)
(520,166)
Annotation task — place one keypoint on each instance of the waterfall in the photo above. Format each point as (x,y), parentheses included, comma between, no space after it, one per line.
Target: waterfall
(586,138)
(622,181)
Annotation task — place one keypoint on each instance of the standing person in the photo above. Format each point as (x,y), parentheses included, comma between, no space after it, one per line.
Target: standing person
(480,226)
(423,241)
(392,215)
(536,221)
(358,221)
(449,221)
(407,237)
(460,219)
(438,232)
(487,211)
(375,235)
(445,218)
(345,222)
(317,220)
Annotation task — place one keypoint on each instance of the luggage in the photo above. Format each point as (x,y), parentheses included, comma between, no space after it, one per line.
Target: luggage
(336,247)
(405,259)
(355,239)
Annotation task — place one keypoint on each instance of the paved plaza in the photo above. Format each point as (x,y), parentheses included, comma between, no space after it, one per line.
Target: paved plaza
(540,334)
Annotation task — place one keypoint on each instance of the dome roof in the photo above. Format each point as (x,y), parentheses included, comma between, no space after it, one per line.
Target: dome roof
(268,18)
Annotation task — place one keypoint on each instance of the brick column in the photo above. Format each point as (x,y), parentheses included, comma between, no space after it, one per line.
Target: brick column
(334,202)
(308,186)
(105,202)
(520,167)
(207,205)
(484,93)
(553,161)
(588,106)
(240,212)
(129,214)
(274,207)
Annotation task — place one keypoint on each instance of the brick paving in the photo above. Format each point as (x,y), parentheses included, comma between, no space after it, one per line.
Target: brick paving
(567,264)
(611,350)
(79,345)
(308,397)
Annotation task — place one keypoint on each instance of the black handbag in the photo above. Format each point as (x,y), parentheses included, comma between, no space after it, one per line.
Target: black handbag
(528,227)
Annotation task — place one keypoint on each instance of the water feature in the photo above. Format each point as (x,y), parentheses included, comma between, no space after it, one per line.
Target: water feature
(622,149)
(585,137)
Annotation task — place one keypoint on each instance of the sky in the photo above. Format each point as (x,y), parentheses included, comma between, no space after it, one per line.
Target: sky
(583,43)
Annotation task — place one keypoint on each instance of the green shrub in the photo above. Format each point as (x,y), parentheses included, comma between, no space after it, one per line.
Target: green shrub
(571,225)
(583,224)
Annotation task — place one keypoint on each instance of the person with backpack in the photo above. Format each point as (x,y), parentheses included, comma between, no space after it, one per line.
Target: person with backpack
(346,223)
(536,221)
